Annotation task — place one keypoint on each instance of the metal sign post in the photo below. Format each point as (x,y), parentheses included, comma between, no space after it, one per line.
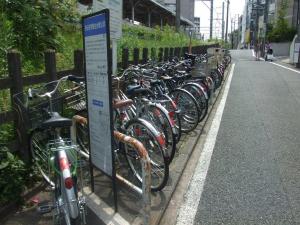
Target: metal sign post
(96,42)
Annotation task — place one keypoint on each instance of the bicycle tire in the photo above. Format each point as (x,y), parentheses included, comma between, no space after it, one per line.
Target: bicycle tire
(60,194)
(162,122)
(69,195)
(38,140)
(144,132)
(189,109)
(199,95)
(174,114)
(216,77)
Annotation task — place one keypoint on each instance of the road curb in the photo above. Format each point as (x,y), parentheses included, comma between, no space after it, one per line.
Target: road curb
(188,148)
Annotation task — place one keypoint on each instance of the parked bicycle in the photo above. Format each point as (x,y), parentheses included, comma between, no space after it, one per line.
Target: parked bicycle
(52,150)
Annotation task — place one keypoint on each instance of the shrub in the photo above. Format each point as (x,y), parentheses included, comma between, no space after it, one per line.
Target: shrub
(12,176)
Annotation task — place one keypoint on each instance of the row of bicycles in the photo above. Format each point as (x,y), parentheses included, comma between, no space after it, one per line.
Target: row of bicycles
(154,103)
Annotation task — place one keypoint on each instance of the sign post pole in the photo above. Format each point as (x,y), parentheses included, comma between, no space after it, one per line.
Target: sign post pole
(96,43)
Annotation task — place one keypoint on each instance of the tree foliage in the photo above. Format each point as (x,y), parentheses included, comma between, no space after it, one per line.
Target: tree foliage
(281,31)
(35,24)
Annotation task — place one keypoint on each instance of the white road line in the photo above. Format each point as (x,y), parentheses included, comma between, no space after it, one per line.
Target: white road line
(192,198)
(296,71)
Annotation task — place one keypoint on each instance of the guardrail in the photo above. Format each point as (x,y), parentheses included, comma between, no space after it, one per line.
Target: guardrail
(145,162)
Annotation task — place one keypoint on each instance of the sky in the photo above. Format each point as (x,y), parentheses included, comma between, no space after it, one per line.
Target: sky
(202,10)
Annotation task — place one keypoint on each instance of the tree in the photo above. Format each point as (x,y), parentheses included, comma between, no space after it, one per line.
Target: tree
(281,31)
(36,23)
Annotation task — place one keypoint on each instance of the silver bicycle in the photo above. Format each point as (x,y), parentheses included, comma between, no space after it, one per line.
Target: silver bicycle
(52,150)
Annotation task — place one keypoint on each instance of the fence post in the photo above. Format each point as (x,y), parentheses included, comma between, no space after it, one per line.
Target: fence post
(160,54)
(176,52)
(153,54)
(145,55)
(184,50)
(166,54)
(171,53)
(125,58)
(15,73)
(193,50)
(136,56)
(50,64)
(78,63)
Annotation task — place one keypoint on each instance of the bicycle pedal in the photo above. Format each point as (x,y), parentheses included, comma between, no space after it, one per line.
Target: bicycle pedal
(45,209)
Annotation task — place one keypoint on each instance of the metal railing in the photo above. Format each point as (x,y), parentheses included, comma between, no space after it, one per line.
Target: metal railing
(145,191)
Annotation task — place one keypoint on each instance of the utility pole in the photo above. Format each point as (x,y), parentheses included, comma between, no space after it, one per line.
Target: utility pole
(234,33)
(226,34)
(177,15)
(298,33)
(256,22)
(266,14)
(223,25)
(298,20)
(231,33)
(211,18)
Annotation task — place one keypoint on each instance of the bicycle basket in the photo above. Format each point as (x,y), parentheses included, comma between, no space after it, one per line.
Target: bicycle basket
(33,111)
(76,98)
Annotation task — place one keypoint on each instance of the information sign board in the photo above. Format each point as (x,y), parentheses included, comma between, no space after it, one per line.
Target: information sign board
(98,89)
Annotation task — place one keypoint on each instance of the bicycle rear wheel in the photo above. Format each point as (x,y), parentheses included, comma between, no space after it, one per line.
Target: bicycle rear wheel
(159,116)
(61,214)
(189,109)
(174,115)
(144,132)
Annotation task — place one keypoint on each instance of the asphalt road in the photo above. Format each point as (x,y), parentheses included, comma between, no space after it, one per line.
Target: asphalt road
(254,172)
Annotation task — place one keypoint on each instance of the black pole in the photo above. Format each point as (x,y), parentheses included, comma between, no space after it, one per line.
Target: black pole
(211,19)
(298,20)
(226,34)
(223,25)
(298,33)
(266,25)
(177,15)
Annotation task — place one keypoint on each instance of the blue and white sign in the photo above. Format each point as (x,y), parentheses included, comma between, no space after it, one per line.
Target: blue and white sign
(95,31)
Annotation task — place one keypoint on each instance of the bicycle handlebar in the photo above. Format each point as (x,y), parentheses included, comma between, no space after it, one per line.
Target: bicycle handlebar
(35,92)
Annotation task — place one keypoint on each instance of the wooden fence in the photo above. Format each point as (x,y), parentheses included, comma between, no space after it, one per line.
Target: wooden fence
(15,80)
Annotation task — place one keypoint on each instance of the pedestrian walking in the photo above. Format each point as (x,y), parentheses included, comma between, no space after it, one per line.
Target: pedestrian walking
(257,50)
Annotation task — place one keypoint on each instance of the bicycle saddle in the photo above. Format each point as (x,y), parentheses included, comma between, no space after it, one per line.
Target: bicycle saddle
(57,120)
(155,82)
(134,90)
(118,104)
(198,77)
(166,78)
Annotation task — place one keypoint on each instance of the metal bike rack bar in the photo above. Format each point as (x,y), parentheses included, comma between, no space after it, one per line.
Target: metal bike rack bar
(145,161)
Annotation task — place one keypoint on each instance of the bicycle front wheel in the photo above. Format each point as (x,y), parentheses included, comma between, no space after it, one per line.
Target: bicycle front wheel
(199,95)
(189,109)
(144,132)
(38,140)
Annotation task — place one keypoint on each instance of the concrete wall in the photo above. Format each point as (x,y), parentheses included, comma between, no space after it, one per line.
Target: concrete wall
(281,49)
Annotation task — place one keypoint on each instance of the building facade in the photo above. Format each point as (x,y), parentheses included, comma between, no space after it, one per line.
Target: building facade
(197,31)
(291,12)
(253,24)
(187,7)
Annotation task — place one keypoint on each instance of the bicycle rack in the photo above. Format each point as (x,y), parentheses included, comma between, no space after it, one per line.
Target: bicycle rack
(145,191)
